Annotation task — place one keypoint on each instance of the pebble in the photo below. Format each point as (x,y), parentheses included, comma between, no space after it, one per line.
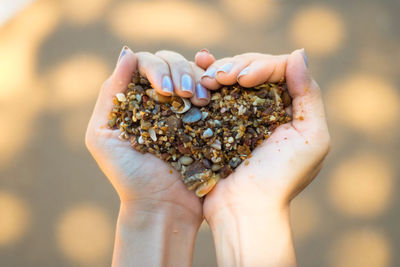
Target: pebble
(145,125)
(185,160)
(121,97)
(208,133)
(204,115)
(216,144)
(192,116)
(140,140)
(216,167)
(230,140)
(234,162)
(217,123)
(153,135)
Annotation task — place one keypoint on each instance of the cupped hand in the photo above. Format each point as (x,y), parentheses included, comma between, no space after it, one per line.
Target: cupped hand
(144,180)
(289,160)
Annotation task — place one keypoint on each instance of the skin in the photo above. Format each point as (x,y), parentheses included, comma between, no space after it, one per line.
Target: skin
(248,211)
(159,217)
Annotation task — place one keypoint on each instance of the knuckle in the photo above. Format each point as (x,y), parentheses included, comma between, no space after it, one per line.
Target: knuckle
(183,65)
(144,54)
(163,52)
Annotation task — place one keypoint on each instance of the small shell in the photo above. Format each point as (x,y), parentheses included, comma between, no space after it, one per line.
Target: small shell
(206,187)
(157,97)
(121,97)
(186,107)
(208,133)
(153,135)
(140,140)
(185,160)
(216,144)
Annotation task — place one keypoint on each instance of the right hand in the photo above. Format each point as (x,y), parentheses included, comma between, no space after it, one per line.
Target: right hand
(143,180)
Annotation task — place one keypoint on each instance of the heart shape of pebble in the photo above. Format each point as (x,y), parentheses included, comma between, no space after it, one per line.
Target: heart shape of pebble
(204,144)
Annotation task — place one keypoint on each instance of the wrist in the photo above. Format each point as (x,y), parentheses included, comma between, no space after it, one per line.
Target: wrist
(154,236)
(255,235)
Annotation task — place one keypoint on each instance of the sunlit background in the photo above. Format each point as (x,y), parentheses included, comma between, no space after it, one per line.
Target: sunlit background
(58,209)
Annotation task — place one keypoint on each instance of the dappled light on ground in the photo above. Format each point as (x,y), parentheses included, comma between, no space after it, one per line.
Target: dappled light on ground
(181,23)
(14,218)
(361,185)
(84,12)
(364,247)
(85,235)
(319,29)
(304,216)
(251,12)
(76,80)
(366,103)
(73,127)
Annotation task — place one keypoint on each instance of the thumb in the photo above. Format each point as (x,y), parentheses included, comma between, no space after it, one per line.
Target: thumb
(117,83)
(307,105)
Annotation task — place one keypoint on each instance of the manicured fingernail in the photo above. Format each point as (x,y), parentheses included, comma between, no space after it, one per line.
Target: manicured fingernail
(305,57)
(187,83)
(123,52)
(167,84)
(225,68)
(201,92)
(210,72)
(243,72)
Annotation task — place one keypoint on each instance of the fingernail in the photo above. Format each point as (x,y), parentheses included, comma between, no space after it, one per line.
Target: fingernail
(187,83)
(201,92)
(123,52)
(210,72)
(243,72)
(167,84)
(226,68)
(204,50)
(305,57)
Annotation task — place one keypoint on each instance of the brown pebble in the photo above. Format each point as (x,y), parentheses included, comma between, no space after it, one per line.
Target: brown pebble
(205,143)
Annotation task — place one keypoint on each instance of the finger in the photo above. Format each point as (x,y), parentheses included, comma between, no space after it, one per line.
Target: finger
(228,72)
(117,83)
(307,105)
(208,78)
(267,68)
(181,72)
(202,95)
(204,59)
(156,71)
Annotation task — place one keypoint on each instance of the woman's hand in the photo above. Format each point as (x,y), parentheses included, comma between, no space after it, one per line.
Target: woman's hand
(248,211)
(159,217)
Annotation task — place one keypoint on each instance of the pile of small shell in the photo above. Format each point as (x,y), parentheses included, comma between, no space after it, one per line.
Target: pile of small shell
(203,144)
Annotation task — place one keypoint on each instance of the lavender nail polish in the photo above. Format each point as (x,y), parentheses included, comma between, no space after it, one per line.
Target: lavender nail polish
(167,84)
(226,68)
(305,57)
(187,83)
(210,73)
(243,72)
(123,52)
(201,92)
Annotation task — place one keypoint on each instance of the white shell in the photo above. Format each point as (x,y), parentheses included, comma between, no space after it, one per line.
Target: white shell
(187,106)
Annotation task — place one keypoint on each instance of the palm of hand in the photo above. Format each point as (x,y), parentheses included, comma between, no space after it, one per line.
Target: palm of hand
(271,174)
(143,177)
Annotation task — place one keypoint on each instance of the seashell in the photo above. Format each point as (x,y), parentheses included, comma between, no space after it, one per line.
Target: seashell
(182,109)
(206,187)
(153,134)
(157,97)
(185,160)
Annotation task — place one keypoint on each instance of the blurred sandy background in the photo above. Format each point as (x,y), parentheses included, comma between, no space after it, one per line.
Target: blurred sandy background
(58,209)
